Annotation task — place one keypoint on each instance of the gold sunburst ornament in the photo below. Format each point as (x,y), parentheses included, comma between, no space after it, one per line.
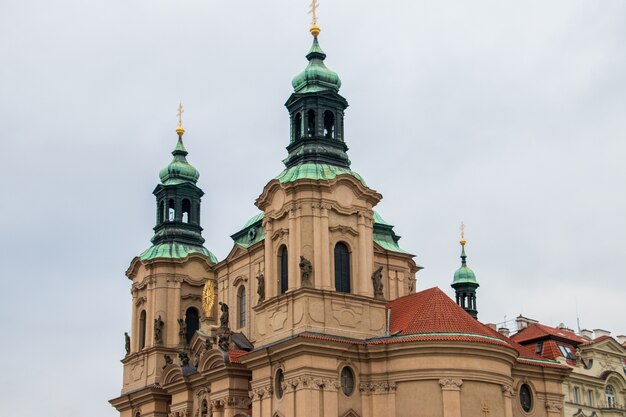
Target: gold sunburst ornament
(208,298)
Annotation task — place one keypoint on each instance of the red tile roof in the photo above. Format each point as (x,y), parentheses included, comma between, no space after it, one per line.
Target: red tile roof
(538,331)
(235,354)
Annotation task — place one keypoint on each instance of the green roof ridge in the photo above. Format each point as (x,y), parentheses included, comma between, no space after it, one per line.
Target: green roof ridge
(316,171)
(175,250)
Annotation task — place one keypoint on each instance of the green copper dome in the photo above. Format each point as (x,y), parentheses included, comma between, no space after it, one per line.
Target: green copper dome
(464,275)
(179,170)
(316,77)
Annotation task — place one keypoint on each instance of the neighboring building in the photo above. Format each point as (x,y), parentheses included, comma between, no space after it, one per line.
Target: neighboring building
(597,385)
(318,309)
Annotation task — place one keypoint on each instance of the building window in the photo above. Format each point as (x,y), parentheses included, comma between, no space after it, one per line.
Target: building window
(329,125)
(566,352)
(283,265)
(347,381)
(142,329)
(204,409)
(171,211)
(342,268)
(280,378)
(610,396)
(310,130)
(192,323)
(161,214)
(526,398)
(539,348)
(590,398)
(297,124)
(577,395)
(241,306)
(186,211)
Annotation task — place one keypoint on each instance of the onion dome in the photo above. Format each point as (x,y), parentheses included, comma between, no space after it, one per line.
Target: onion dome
(464,274)
(179,170)
(316,76)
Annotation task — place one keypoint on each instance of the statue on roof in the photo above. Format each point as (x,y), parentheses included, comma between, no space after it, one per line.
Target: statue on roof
(127,342)
(261,288)
(305,272)
(377,281)
(224,320)
(158,330)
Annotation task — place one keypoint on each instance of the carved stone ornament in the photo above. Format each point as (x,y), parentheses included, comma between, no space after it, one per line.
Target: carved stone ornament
(305,272)
(554,406)
(381,387)
(238,401)
(377,282)
(158,330)
(261,288)
(508,390)
(450,384)
(208,298)
(261,392)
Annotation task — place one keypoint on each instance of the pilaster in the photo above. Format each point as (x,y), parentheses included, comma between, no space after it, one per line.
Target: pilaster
(451,396)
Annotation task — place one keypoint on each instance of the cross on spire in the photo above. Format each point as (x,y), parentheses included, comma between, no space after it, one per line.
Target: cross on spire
(314,5)
(180,129)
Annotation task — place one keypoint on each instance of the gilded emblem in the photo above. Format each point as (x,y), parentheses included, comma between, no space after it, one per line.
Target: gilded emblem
(208,298)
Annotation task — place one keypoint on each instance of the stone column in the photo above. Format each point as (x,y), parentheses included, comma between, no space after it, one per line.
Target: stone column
(326,250)
(134,324)
(271,278)
(150,311)
(508,392)
(317,247)
(378,398)
(174,315)
(361,280)
(218,408)
(294,269)
(331,406)
(451,395)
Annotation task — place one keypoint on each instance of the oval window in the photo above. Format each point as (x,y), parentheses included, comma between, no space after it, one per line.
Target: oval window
(280,378)
(526,398)
(347,381)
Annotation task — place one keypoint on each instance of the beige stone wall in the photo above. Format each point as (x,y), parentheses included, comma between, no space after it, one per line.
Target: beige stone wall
(419,399)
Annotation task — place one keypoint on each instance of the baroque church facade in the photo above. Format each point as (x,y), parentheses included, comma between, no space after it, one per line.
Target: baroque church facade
(315,311)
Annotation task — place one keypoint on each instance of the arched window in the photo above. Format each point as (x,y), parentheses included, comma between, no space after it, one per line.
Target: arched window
(241,306)
(278,383)
(161,213)
(192,322)
(204,409)
(342,268)
(297,127)
(186,210)
(171,211)
(347,381)
(283,266)
(526,398)
(142,329)
(329,125)
(310,129)
(610,396)
(137,414)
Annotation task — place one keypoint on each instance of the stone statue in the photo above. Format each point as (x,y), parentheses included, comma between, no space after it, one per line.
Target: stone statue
(411,285)
(377,281)
(184,358)
(223,341)
(305,272)
(261,288)
(224,321)
(208,343)
(182,330)
(168,360)
(158,330)
(127,342)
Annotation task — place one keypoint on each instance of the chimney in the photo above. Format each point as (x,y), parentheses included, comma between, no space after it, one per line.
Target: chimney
(504,331)
(600,333)
(492,326)
(524,322)
(586,334)
(621,339)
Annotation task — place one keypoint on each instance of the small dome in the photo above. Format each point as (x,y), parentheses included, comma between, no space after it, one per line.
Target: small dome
(316,77)
(179,170)
(464,275)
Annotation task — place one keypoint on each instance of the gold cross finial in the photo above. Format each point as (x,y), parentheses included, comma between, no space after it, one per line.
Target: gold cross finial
(180,130)
(315,30)
(485,409)
(462,234)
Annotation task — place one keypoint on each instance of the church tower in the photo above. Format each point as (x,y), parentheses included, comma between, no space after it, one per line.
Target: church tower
(465,283)
(167,286)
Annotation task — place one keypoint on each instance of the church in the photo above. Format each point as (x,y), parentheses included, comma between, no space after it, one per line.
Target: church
(316,310)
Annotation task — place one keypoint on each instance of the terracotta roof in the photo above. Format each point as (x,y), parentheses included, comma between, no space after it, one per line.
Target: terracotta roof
(538,331)
(235,354)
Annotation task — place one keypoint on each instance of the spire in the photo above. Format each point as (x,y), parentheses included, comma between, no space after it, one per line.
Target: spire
(316,110)
(464,282)
(178,198)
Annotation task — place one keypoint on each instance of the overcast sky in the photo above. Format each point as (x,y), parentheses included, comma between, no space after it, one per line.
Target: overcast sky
(509,116)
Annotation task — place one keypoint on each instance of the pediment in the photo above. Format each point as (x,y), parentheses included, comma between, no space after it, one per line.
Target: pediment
(236,252)
(608,345)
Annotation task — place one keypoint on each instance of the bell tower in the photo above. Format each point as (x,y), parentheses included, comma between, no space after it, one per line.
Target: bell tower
(168,289)
(465,283)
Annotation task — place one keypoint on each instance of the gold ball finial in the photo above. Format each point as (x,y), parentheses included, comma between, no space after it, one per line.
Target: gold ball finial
(315,30)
